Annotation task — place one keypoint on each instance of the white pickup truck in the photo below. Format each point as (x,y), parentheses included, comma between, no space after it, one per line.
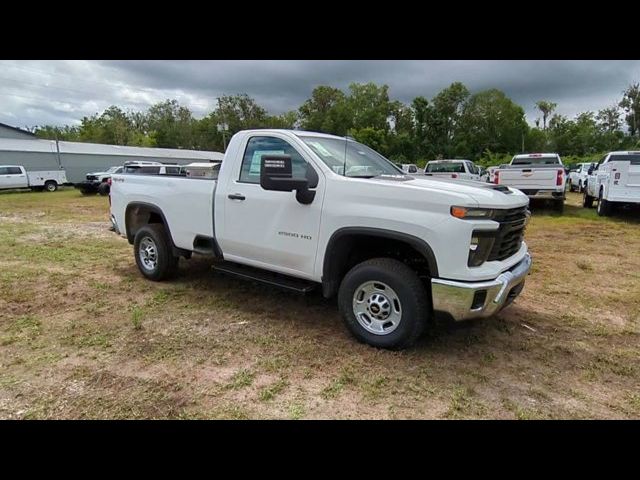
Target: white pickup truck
(538,175)
(15,177)
(615,180)
(302,210)
(461,169)
(578,176)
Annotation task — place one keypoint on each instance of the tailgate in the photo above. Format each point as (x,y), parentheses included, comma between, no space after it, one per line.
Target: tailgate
(529,177)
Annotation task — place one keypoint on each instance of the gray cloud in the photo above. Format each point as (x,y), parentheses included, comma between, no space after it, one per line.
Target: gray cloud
(62,92)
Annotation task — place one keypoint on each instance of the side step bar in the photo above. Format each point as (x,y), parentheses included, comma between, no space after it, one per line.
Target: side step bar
(270,278)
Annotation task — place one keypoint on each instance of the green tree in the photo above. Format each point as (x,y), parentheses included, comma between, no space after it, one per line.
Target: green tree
(171,125)
(326,111)
(490,121)
(369,106)
(630,103)
(609,119)
(240,112)
(546,107)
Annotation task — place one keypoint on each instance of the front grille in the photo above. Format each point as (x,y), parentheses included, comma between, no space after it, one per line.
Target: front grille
(92,177)
(510,233)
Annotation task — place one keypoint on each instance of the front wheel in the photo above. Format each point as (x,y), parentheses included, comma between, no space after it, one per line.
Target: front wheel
(103,189)
(587,200)
(153,253)
(384,303)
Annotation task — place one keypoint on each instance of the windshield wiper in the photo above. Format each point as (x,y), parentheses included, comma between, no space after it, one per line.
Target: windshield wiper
(361,176)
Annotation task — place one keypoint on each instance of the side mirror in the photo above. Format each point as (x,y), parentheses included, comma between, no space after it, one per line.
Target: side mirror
(276,175)
(590,171)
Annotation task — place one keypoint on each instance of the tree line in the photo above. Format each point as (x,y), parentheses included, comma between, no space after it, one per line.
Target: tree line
(487,126)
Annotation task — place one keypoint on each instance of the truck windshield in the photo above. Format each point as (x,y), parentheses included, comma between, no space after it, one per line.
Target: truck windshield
(550,160)
(449,167)
(361,161)
(112,170)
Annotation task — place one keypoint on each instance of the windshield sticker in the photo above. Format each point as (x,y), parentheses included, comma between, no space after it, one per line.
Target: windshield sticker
(320,148)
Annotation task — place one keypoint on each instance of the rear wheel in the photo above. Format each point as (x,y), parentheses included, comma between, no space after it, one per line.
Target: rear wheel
(50,186)
(152,250)
(384,303)
(587,200)
(570,185)
(604,207)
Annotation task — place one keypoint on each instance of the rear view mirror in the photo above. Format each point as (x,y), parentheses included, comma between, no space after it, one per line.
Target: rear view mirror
(276,175)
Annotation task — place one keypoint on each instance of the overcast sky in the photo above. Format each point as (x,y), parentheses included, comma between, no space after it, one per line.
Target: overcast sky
(62,92)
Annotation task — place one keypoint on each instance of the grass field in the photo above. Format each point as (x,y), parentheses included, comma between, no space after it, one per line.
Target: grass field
(83,335)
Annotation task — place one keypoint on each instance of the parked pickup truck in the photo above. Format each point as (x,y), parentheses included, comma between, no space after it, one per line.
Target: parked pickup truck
(538,175)
(578,176)
(302,210)
(615,180)
(98,182)
(15,176)
(462,169)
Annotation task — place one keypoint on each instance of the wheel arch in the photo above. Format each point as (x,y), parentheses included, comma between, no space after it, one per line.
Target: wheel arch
(139,214)
(343,250)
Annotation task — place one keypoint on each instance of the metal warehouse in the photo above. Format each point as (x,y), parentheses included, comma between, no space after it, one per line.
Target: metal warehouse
(78,159)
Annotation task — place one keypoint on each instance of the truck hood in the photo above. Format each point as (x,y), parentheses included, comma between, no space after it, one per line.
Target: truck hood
(483,194)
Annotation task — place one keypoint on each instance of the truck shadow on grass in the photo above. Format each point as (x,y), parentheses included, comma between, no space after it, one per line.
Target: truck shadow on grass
(621,214)
(309,314)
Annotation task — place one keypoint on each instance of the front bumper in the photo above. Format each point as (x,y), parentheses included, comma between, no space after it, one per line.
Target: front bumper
(467,300)
(88,186)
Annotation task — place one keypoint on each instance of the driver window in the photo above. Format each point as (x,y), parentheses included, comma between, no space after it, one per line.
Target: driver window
(259,146)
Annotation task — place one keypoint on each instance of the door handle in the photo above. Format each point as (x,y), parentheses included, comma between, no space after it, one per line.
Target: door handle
(236,196)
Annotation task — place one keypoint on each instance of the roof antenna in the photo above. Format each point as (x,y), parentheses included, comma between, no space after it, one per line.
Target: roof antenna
(344,168)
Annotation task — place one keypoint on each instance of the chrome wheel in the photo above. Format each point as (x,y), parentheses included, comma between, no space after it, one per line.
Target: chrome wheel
(148,253)
(51,187)
(377,308)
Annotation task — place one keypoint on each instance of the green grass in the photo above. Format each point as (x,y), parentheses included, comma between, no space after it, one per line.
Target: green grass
(270,392)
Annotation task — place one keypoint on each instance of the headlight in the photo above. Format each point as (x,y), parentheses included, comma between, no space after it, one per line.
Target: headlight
(471,213)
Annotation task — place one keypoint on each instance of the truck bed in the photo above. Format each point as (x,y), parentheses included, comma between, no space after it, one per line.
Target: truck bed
(187,209)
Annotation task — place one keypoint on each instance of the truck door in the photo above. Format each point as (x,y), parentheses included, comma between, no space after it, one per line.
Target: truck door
(271,229)
(13,177)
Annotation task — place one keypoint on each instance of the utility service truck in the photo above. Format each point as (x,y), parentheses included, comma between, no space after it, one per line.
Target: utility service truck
(613,181)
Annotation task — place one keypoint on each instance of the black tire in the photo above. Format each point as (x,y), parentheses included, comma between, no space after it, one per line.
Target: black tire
(558,206)
(570,186)
(411,293)
(580,187)
(50,186)
(587,200)
(166,265)
(103,189)
(604,207)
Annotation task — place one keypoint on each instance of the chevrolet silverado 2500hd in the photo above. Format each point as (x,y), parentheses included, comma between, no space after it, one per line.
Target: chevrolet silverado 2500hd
(301,209)
(538,175)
